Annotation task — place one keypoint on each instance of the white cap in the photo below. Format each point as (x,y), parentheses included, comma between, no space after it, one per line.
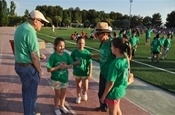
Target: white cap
(35,14)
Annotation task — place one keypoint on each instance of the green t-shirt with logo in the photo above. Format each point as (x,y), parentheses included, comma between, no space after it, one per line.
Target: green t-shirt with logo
(167,43)
(106,57)
(85,57)
(148,33)
(156,45)
(54,60)
(133,41)
(118,73)
(25,42)
(162,40)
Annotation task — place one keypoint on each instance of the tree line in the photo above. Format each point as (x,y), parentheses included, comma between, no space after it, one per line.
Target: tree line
(88,18)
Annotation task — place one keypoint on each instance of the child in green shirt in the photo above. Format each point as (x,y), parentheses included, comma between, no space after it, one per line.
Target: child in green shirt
(167,45)
(156,46)
(82,71)
(117,79)
(58,65)
(134,39)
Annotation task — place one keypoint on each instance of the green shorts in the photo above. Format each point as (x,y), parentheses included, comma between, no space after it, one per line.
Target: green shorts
(58,84)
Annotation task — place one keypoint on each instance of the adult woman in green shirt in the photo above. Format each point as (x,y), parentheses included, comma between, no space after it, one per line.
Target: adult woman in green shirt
(106,57)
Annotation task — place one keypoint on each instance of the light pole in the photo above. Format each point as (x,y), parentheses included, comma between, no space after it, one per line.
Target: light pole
(130,12)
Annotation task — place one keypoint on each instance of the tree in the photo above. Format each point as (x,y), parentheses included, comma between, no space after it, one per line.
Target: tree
(125,23)
(4,11)
(170,19)
(66,22)
(147,21)
(26,13)
(57,20)
(87,23)
(117,23)
(50,21)
(136,21)
(156,19)
(76,15)
(14,20)
(12,8)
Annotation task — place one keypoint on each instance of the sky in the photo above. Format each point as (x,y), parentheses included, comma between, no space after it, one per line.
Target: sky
(138,7)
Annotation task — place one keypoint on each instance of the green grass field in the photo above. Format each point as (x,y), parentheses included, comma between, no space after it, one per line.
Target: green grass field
(163,79)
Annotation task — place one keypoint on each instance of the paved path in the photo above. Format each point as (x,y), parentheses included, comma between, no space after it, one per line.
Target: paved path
(141,98)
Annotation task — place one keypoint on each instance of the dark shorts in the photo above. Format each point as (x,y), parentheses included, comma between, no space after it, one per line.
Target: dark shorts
(155,52)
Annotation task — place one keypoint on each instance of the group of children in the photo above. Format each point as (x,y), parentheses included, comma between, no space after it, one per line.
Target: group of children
(130,36)
(160,46)
(75,35)
(58,65)
(80,60)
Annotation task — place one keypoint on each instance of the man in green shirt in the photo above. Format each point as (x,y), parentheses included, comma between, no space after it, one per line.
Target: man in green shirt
(27,59)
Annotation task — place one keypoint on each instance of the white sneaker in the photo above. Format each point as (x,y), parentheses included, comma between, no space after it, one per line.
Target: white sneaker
(78,100)
(84,97)
(38,114)
(64,109)
(58,112)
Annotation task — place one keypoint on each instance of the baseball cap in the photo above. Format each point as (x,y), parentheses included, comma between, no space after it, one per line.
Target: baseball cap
(35,14)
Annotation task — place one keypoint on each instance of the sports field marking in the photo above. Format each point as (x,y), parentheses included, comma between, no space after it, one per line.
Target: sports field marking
(132,60)
(153,67)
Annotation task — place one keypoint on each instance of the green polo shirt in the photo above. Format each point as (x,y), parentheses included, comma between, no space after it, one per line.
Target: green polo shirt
(25,42)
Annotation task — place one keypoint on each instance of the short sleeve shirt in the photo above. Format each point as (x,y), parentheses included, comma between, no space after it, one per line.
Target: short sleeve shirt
(54,60)
(118,73)
(25,42)
(134,40)
(167,43)
(106,57)
(156,45)
(83,68)
(148,33)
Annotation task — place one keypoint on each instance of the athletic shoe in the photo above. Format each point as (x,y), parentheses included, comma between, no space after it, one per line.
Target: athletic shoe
(58,112)
(64,109)
(100,109)
(78,100)
(84,97)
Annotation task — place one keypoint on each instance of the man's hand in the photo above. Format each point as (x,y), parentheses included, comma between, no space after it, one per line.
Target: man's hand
(42,57)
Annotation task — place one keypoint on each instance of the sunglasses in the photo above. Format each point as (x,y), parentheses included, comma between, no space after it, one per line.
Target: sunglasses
(98,33)
(41,21)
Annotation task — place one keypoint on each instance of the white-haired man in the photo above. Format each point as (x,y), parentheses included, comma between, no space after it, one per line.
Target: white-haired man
(27,59)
